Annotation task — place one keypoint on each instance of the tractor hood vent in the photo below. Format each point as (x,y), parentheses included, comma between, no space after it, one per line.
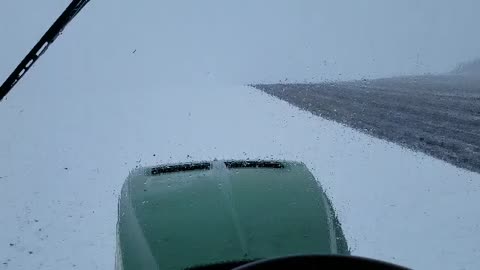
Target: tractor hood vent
(254,164)
(181,168)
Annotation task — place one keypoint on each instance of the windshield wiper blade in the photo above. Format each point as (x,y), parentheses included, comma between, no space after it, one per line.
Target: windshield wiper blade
(42,45)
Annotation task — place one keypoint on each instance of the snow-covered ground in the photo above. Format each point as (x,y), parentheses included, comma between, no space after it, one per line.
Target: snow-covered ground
(65,156)
(91,110)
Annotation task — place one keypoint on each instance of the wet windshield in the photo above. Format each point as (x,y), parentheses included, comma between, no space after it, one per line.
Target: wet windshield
(236,131)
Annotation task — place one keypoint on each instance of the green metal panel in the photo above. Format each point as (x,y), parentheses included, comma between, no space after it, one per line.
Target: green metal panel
(184,219)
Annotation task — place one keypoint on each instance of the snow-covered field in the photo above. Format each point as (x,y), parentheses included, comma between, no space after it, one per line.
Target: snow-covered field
(91,110)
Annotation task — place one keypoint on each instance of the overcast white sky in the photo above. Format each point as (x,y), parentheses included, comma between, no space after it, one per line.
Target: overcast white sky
(250,41)
(94,107)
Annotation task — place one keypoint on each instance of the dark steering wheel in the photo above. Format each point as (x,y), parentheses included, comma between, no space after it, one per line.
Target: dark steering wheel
(310,262)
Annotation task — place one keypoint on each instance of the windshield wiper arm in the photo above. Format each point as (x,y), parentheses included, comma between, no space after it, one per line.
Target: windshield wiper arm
(42,45)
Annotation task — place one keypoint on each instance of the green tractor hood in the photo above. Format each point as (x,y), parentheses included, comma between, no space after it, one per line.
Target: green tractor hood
(188,215)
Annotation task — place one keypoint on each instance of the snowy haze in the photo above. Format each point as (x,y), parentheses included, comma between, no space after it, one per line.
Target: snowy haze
(259,41)
(91,109)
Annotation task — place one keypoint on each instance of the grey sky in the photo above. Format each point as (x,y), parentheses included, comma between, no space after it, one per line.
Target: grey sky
(93,106)
(252,41)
